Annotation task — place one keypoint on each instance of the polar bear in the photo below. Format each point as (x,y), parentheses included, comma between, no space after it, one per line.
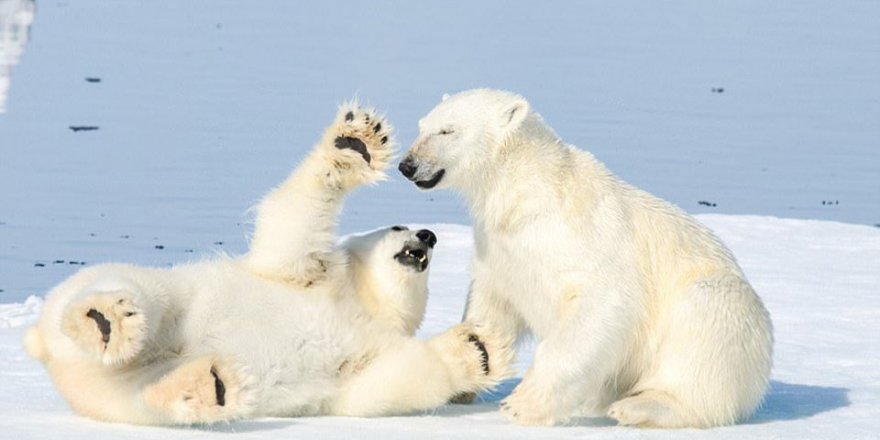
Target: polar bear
(297,326)
(640,312)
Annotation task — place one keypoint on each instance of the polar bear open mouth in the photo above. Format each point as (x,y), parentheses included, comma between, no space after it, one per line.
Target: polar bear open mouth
(416,253)
(414,256)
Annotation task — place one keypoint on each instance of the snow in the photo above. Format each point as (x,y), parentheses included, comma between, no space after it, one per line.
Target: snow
(819,280)
(203,105)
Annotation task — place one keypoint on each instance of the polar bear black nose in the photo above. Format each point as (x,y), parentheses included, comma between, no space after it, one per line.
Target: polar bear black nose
(407,168)
(427,237)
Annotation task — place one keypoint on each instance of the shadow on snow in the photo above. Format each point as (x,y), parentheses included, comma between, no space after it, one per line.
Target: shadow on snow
(784,401)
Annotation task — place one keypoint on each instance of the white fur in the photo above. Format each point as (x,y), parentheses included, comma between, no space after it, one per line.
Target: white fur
(640,312)
(298,326)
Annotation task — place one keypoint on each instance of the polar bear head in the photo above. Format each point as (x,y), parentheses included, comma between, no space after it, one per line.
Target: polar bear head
(390,271)
(461,136)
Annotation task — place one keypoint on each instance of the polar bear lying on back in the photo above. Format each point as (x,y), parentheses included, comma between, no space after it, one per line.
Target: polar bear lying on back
(298,326)
(640,312)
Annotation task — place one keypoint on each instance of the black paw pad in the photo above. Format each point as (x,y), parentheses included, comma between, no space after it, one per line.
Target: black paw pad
(377,128)
(484,354)
(103,324)
(219,388)
(353,143)
(349,117)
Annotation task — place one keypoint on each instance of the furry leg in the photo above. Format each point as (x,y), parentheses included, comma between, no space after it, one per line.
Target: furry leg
(489,310)
(294,235)
(572,363)
(420,375)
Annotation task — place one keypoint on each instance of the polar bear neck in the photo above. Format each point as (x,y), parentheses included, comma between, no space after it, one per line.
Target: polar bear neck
(512,185)
(396,302)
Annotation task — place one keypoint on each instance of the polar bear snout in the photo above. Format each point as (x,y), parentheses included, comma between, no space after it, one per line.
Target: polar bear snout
(417,254)
(422,176)
(408,168)
(427,236)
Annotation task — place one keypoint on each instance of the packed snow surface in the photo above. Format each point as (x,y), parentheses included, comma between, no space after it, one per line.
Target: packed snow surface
(819,280)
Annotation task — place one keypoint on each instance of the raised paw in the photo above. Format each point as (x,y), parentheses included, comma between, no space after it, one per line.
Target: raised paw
(205,390)
(358,146)
(109,325)
(478,358)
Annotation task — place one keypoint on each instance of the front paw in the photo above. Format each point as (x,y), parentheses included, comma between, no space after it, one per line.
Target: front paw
(358,146)
(479,357)
(528,406)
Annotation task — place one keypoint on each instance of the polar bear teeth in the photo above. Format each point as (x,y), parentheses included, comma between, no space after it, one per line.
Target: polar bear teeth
(421,257)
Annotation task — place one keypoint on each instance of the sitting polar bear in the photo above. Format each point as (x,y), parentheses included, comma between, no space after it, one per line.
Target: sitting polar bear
(297,326)
(640,312)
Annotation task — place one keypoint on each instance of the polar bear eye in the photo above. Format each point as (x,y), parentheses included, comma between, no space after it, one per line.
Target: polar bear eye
(446,131)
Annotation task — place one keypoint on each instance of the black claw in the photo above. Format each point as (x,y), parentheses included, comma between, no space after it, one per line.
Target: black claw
(103,324)
(384,139)
(219,388)
(353,143)
(377,127)
(349,116)
(484,354)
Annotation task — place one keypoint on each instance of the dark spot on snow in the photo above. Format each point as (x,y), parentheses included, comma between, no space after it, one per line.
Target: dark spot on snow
(77,128)
(189,251)
(218,243)
(159,246)
(58,261)
(125,236)
(830,202)
(92,234)
(717,89)
(39,265)
(705,203)
(93,79)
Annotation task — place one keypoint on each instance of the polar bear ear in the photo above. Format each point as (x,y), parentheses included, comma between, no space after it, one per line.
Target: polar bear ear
(445,97)
(514,113)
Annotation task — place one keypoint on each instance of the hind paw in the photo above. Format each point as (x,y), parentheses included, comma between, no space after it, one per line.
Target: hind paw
(109,325)
(206,390)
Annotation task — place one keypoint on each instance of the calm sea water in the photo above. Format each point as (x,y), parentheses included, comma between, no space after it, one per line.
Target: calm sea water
(201,106)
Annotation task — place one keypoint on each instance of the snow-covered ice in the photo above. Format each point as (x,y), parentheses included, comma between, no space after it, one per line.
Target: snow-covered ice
(819,280)
(203,105)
